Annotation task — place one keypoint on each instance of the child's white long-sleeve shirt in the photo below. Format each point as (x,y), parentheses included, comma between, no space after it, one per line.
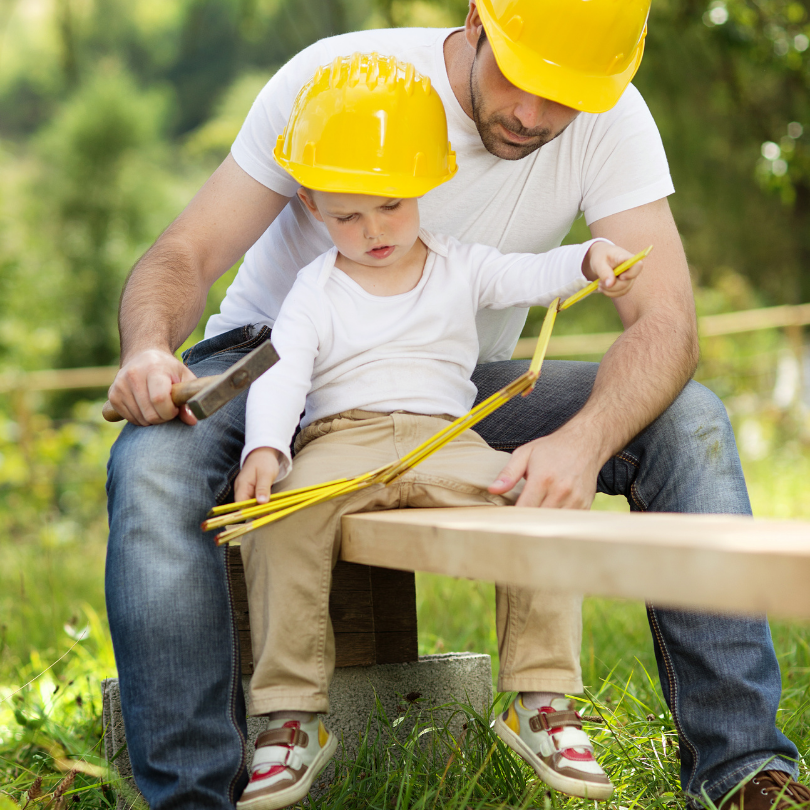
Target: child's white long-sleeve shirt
(341,347)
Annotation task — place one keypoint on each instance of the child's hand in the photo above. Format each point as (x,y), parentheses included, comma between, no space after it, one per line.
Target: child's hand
(258,473)
(599,262)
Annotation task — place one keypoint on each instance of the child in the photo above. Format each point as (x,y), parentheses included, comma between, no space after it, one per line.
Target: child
(377,341)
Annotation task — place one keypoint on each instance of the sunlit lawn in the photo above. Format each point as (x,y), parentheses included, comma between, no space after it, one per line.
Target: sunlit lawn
(51,597)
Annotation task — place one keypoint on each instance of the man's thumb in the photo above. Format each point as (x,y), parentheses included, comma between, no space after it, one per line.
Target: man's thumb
(186,373)
(506,479)
(186,415)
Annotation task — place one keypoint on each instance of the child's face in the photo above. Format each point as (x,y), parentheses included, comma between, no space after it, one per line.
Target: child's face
(372,231)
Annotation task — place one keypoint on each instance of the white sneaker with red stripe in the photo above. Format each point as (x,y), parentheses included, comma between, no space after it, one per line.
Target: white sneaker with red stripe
(552,741)
(289,756)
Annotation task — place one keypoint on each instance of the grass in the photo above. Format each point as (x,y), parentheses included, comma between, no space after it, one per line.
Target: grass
(57,717)
(55,649)
(475,770)
(50,719)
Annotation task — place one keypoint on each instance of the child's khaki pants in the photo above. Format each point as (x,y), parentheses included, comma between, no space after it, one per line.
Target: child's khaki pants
(288,564)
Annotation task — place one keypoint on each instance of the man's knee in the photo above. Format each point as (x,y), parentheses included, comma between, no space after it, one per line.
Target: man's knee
(698,423)
(145,458)
(161,481)
(689,458)
(159,564)
(149,465)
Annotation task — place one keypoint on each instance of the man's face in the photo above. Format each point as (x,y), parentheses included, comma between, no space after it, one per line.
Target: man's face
(511,122)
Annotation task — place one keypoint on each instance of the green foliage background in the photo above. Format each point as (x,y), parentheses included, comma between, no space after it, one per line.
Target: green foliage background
(113,113)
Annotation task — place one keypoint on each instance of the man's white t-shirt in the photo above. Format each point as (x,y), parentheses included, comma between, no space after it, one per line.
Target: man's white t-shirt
(600,165)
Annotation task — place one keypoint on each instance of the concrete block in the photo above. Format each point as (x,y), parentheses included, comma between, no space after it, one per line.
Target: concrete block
(115,751)
(436,679)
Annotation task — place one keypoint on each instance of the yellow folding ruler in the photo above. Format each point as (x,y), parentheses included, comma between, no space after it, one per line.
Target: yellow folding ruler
(252,515)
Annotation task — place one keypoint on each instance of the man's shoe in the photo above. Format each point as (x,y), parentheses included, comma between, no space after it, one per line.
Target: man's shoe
(552,741)
(289,756)
(768,790)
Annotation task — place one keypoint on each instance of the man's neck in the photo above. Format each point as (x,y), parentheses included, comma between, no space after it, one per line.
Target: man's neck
(458,59)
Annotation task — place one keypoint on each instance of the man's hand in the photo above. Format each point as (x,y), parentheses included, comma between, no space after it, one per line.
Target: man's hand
(600,262)
(559,473)
(141,391)
(258,473)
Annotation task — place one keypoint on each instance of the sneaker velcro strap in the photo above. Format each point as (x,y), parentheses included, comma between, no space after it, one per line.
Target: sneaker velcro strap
(282,736)
(543,721)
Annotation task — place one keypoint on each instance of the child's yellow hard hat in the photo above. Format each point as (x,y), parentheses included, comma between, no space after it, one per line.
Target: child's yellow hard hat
(580,53)
(367,124)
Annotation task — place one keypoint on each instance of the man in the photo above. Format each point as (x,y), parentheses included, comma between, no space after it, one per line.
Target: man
(545,124)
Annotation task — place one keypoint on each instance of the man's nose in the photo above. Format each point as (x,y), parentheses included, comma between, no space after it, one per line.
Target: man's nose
(531,110)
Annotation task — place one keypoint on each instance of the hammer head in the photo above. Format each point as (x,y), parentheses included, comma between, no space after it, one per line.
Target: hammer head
(224,387)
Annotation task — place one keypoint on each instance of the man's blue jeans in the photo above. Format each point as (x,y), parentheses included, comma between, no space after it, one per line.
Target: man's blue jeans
(170,606)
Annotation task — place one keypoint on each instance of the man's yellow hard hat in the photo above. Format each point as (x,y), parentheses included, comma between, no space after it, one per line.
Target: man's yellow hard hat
(580,53)
(367,124)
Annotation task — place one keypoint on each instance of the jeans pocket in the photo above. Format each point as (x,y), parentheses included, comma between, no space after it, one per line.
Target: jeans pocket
(242,338)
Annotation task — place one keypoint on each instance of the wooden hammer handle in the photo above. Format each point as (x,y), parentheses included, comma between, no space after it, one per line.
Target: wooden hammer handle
(182,392)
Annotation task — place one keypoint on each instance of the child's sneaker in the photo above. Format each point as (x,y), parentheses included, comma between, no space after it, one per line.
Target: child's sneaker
(551,740)
(289,755)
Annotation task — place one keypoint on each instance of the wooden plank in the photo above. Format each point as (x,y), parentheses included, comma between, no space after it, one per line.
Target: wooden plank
(750,320)
(713,562)
(568,345)
(58,379)
(726,323)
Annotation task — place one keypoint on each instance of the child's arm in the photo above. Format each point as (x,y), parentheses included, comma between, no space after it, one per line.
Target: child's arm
(529,279)
(276,400)
(599,263)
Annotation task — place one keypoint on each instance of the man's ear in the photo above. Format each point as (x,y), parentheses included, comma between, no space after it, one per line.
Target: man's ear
(473,27)
(305,195)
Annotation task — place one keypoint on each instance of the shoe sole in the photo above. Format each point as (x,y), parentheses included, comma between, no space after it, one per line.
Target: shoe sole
(296,792)
(565,784)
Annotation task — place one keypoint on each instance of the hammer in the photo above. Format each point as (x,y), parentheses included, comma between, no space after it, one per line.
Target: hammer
(206,395)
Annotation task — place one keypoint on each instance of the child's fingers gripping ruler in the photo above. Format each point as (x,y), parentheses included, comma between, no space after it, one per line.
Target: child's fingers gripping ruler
(594,285)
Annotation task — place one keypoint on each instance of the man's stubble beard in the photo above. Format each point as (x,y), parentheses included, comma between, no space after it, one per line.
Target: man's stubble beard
(488,128)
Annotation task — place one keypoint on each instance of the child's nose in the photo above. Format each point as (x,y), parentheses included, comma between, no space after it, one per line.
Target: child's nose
(373,229)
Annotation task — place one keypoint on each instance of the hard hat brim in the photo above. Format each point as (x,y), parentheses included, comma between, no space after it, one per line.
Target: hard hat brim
(341,181)
(527,70)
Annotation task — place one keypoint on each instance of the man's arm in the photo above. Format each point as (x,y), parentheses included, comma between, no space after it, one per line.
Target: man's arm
(164,296)
(638,378)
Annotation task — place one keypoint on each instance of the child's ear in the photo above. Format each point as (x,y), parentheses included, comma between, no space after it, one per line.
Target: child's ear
(305,196)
